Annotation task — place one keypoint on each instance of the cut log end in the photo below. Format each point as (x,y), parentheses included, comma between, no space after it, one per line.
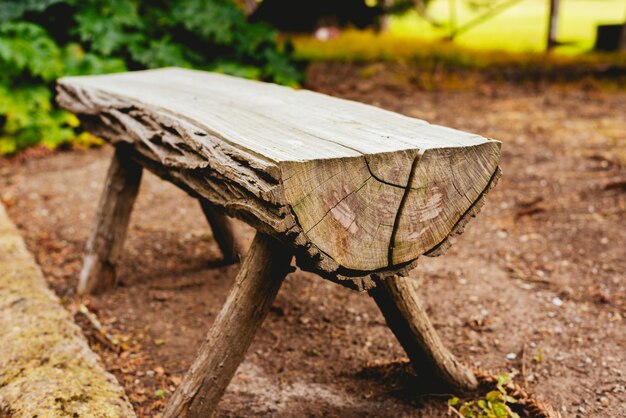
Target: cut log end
(381,212)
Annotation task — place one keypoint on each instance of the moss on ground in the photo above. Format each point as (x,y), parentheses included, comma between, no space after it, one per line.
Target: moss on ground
(46,366)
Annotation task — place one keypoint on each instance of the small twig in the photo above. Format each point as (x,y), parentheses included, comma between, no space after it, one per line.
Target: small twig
(99,333)
(453,409)
(519,274)
(276,340)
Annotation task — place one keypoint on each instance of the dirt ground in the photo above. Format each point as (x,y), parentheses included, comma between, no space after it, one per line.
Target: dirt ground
(535,286)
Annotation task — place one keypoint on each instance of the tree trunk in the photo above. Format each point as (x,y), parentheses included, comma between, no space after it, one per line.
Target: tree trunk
(398,300)
(262,272)
(114,209)
(553,21)
(622,42)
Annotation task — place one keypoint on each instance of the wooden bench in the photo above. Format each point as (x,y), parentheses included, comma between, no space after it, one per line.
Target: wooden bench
(357,194)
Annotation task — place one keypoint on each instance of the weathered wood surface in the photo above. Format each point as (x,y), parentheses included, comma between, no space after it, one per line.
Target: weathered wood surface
(262,272)
(354,189)
(114,209)
(46,366)
(224,233)
(400,304)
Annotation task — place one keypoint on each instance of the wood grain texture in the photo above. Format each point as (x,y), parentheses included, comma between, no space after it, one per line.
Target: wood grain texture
(354,189)
(399,302)
(104,247)
(257,284)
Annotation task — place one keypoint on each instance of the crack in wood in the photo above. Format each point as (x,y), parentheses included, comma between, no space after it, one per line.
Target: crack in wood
(367,164)
(337,204)
(405,196)
(471,212)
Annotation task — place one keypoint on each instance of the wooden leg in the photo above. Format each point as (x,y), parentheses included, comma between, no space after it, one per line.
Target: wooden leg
(262,272)
(398,300)
(224,233)
(114,209)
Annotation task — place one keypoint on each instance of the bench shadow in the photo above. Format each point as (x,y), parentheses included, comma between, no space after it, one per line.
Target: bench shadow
(398,380)
(155,279)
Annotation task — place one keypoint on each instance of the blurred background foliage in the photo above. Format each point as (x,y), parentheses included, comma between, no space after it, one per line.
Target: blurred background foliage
(42,40)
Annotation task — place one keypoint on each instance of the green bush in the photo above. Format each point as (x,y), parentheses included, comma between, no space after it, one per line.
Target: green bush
(41,40)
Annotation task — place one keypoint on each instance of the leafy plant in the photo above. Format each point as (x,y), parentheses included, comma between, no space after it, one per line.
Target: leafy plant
(42,40)
(495,404)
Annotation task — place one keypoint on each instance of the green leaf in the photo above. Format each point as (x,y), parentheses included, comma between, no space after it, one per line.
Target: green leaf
(107,26)
(26,47)
(494,396)
(236,69)
(13,9)
(77,37)
(160,53)
(500,410)
(78,62)
(467,409)
(504,379)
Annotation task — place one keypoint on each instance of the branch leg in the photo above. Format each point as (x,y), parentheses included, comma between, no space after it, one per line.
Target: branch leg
(224,233)
(114,208)
(262,272)
(398,300)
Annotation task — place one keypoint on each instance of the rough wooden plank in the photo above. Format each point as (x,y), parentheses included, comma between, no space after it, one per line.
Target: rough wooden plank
(274,122)
(398,300)
(224,232)
(114,209)
(354,189)
(46,366)
(262,272)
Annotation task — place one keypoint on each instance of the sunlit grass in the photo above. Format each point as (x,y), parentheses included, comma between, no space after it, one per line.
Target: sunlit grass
(365,46)
(520,29)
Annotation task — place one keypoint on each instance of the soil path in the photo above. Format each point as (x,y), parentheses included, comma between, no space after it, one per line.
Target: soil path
(536,285)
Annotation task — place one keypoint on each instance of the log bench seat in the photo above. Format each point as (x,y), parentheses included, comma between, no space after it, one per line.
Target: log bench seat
(356,193)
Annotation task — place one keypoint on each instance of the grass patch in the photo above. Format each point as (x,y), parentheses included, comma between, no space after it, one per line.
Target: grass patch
(367,46)
(511,43)
(520,28)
